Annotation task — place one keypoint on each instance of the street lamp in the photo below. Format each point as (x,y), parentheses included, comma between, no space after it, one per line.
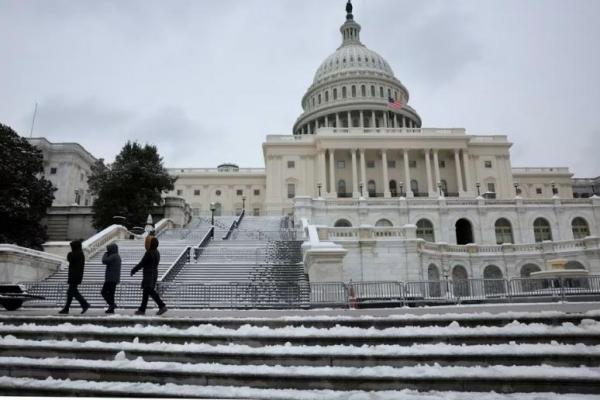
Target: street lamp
(554,189)
(212,219)
(478,191)
(243,202)
(401,184)
(440,189)
(319,186)
(360,187)
(517,190)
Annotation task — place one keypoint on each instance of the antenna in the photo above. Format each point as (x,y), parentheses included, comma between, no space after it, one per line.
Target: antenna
(33,120)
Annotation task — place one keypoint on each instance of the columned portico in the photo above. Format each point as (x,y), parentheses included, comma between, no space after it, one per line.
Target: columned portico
(384,168)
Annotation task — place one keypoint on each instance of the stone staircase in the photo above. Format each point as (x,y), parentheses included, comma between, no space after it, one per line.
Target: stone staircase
(468,356)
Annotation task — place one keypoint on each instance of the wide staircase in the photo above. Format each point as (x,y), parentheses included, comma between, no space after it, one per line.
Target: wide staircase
(258,265)
(244,262)
(525,356)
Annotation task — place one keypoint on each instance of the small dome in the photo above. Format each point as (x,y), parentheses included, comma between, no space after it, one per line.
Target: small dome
(353,58)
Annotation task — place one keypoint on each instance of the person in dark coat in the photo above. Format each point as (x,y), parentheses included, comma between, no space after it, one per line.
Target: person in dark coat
(149,267)
(76,261)
(112,276)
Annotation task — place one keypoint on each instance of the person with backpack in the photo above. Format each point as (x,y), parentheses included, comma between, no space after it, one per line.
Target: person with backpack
(112,276)
(76,260)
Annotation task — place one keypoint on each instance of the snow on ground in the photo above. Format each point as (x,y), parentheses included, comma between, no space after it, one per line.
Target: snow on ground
(169,389)
(421,372)
(441,349)
(586,327)
(172,390)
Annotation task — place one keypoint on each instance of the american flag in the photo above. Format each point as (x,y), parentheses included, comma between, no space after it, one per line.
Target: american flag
(394,103)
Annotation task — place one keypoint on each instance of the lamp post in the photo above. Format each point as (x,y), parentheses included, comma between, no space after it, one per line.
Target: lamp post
(517,190)
(243,202)
(401,184)
(440,189)
(360,187)
(554,190)
(212,219)
(478,191)
(319,186)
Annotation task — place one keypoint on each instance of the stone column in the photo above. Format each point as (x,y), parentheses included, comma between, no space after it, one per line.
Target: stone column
(363,172)
(469,184)
(436,167)
(322,170)
(362,120)
(396,121)
(332,185)
(458,172)
(385,119)
(408,190)
(428,168)
(386,183)
(337,120)
(355,192)
(327,121)
(373,122)
(349,120)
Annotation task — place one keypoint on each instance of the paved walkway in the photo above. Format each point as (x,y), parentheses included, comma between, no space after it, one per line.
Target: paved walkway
(576,307)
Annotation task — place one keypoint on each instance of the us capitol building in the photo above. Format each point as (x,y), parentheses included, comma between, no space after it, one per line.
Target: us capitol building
(375,192)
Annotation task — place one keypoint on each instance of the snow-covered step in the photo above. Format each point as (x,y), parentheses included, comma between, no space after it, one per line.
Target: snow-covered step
(553,354)
(422,377)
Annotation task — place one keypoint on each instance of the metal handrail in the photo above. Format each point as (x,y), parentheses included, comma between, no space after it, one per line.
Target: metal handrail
(174,269)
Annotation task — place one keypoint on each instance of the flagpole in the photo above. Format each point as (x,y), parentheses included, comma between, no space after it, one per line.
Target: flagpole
(33,120)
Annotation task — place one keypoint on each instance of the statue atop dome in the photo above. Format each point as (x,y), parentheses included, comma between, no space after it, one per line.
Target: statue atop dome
(349,10)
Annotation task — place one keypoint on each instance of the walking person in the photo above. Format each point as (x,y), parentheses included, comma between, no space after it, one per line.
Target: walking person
(112,276)
(76,261)
(148,239)
(149,267)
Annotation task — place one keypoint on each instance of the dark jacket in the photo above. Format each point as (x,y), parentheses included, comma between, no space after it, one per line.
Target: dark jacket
(149,265)
(76,261)
(112,260)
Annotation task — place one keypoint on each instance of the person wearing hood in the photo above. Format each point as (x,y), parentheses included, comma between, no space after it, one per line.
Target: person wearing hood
(112,275)
(76,261)
(149,267)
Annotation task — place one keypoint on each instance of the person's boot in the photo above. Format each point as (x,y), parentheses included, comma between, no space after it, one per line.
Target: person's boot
(64,311)
(85,307)
(162,310)
(140,312)
(110,310)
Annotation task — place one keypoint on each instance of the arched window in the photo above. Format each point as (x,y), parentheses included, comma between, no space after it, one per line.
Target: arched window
(504,232)
(433,276)
(384,222)
(494,284)
(528,269)
(433,273)
(425,230)
(372,188)
(218,209)
(380,91)
(326,96)
(335,93)
(313,101)
(341,187)
(541,230)
(393,188)
(460,281)
(580,228)
(372,91)
(389,92)
(574,265)
(414,186)
(353,91)
(363,91)
(464,231)
(343,92)
(319,101)
(342,223)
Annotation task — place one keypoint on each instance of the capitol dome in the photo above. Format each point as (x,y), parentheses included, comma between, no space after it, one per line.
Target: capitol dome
(355,88)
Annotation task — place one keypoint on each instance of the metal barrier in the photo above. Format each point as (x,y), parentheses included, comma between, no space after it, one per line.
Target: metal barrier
(328,294)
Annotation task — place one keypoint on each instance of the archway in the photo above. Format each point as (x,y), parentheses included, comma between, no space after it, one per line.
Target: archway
(425,230)
(573,264)
(342,223)
(464,231)
(580,228)
(433,276)
(504,232)
(372,189)
(460,281)
(218,209)
(341,188)
(384,222)
(527,269)
(542,230)
(393,188)
(493,283)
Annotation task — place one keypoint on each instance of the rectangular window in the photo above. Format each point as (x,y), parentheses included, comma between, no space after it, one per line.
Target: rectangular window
(391,164)
(257,192)
(491,187)
(196,192)
(488,164)
(291,164)
(538,190)
(370,164)
(291,190)
(179,192)
(52,171)
(412,163)
(341,164)
(77,197)
(442,164)
(239,192)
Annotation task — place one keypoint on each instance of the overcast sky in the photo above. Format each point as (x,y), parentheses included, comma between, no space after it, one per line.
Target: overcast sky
(206,81)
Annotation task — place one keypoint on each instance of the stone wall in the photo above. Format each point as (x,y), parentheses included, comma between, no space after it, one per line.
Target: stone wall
(19,264)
